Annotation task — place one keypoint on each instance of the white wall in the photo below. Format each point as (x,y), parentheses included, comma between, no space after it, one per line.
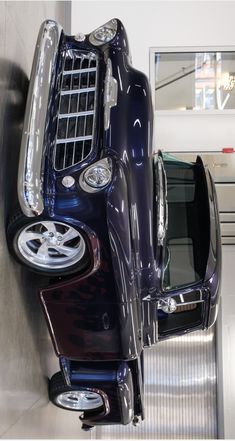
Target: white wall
(171,23)
(160,23)
(194,132)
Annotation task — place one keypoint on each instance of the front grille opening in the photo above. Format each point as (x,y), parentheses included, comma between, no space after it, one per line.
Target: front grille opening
(61,131)
(60,155)
(66,82)
(76,116)
(71,127)
(68,62)
(90,101)
(78,151)
(89,125)
(64,104)
(80,126)
(69,155)
(87,146)
(83,102)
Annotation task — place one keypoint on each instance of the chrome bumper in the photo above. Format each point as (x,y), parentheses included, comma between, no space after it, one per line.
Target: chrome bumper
(31,164)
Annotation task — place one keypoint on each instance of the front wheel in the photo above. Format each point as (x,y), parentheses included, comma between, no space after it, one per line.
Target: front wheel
(47,246)
(72,398)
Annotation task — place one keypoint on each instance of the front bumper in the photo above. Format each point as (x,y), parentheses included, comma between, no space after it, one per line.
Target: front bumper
(31,165)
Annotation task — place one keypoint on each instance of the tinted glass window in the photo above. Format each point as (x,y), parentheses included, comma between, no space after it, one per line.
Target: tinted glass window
(179,263)
(181,182)
(187,239)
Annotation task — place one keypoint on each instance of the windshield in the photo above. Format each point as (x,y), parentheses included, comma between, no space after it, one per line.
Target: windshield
(187,236)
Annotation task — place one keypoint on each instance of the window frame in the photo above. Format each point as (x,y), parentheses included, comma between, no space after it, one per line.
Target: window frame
(184,49)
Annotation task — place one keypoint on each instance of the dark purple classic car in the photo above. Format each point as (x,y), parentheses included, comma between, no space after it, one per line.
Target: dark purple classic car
(129,240)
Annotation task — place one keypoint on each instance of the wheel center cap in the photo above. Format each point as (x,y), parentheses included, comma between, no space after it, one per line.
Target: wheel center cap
(50,238)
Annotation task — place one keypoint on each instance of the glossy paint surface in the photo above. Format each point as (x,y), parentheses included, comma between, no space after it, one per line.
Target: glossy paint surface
(101,314)
(116,387)
(126,267)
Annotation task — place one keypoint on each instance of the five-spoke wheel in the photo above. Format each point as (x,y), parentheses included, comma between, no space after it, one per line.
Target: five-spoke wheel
(72,397)
(48,246)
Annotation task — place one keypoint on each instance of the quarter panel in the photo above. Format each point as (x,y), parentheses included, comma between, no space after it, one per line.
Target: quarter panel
(90,329)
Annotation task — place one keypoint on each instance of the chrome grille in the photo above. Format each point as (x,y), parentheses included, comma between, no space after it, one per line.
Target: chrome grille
(76,115)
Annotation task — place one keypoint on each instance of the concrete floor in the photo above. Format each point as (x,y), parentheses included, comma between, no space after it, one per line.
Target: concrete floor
(26,354)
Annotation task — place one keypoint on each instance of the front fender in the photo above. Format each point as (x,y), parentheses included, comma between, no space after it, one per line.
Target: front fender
(129,135)
(97,316)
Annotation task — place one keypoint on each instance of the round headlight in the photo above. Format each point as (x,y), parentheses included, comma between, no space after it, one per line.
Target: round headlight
(97,176)
(104,33)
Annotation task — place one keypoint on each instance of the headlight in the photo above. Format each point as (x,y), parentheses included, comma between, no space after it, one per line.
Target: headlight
(104,33)
(97,176)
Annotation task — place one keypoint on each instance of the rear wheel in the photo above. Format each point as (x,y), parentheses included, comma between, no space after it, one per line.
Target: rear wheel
(47,246)
(72,398)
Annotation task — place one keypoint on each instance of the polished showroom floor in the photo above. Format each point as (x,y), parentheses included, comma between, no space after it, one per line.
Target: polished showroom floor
(26,354)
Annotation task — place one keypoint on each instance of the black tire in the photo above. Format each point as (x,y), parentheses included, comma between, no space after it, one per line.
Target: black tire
(57,386)
(15,226)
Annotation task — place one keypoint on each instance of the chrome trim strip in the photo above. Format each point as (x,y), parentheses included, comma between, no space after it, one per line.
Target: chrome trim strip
(71,115)
(159,303)
(78,71)
(162,202)
(73,91)
(110,93)
(31,164)
(79,138)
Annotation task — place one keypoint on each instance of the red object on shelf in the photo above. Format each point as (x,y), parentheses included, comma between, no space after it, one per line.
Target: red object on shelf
(228,150)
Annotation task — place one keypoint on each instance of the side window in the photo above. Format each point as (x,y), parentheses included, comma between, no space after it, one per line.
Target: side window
(188,232)
(179,267)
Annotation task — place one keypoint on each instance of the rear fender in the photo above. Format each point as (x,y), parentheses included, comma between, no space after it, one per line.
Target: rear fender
(115,384)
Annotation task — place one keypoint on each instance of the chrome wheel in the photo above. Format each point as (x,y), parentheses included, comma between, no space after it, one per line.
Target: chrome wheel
(51,245)
(79,400)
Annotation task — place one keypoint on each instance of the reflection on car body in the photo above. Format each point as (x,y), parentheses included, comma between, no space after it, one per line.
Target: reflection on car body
(130,240)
